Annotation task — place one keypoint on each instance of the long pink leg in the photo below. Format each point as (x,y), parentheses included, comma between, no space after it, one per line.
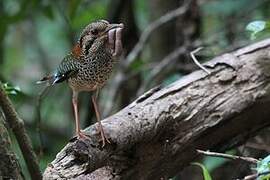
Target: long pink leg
(76,112)
(104,138)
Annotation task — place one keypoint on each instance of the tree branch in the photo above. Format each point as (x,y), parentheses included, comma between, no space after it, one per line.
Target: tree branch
(192,54)
(158,134)
(171,15)
(17,126)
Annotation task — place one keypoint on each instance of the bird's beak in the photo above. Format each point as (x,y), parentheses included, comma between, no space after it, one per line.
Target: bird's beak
(114,26)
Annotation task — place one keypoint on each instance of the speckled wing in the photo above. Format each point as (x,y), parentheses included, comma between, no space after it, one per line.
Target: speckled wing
(67,68)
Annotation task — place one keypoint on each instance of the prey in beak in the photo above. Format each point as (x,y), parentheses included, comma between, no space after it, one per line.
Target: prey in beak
(115,38)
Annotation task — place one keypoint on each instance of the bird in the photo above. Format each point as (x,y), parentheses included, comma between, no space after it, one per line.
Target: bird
(89,65)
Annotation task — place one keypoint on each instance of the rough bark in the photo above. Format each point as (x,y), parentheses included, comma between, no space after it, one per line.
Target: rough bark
(17,126)
(9,166)
(158,134)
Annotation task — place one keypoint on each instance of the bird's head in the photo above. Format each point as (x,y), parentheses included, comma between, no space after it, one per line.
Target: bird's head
(99,34)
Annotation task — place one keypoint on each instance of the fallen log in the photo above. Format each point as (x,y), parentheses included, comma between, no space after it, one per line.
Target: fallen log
(158,134)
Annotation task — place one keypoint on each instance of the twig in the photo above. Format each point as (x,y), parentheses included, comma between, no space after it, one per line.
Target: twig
(38,118)
(254,176)
(17,126)
(152,27)
(228,156)
(115,85)
(192,54)
(250,177)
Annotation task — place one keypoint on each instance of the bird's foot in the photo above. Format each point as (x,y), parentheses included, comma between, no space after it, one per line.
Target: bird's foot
(82,135)
(104,138)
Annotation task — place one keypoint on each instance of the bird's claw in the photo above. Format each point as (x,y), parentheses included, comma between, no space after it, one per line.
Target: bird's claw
(104,138)
(82,135)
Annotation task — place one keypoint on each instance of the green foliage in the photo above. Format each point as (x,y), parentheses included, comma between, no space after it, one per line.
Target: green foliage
(73,5)
(137,65)
(47,10)
(258,27)
(263,167)
(11,90)
(15,11)
(206,174)
(80,18)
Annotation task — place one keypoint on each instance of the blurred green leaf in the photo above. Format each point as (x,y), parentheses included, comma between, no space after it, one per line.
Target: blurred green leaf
(263,167)
(22,11)
(206,174)
(48,11)
(92,13)
(12,90)
(72,8)
(213,162)
(256,27)
(137,65)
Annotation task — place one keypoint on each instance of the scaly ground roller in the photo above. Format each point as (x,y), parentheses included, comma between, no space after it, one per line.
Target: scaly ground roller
(89,65)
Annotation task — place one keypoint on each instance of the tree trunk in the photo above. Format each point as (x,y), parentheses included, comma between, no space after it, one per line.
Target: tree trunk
(156,136)
(16,124)
(9,166)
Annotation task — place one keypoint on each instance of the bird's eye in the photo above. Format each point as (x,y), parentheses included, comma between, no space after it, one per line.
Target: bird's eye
(94,31)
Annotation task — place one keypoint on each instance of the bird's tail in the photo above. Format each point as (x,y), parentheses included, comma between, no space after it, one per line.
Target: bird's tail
(49,80)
